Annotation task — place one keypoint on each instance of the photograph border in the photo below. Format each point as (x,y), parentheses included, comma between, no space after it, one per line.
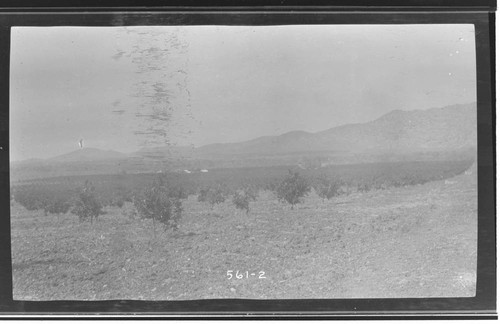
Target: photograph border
(483,305)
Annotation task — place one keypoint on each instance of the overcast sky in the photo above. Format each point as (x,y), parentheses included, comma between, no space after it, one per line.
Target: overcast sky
(125,88)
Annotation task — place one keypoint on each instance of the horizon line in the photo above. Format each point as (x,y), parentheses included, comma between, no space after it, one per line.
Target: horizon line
(227,143)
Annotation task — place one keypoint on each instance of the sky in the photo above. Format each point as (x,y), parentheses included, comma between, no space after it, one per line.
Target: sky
(126,88)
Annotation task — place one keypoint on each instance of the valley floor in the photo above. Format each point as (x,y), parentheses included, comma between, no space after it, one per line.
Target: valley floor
(416,241)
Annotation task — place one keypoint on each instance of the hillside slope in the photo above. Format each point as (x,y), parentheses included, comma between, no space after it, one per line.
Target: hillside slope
(448,128)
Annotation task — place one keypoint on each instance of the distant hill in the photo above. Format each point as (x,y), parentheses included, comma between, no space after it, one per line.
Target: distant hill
(294,141)
(448,128)
(88,154)
(432,134)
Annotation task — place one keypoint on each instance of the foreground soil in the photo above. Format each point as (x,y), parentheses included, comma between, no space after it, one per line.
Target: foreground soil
(418,241)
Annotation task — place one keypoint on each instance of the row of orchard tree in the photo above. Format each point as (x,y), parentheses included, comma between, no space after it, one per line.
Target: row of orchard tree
(162,201)
(58,196)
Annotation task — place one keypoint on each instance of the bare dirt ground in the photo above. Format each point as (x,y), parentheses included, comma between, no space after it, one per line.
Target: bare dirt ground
(418,241)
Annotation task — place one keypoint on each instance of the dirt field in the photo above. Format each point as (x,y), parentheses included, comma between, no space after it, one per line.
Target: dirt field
(416,241)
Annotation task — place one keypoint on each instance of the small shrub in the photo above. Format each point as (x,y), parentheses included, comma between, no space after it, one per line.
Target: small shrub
(160,204)
(292,189)
(363,187)
(58,206)
(242,198)
(272,185)
(217,195)
(203,195)
(213,195)
(87,205)
(251,192)
(179,192)
(31,198)
(117,201)
(328,188)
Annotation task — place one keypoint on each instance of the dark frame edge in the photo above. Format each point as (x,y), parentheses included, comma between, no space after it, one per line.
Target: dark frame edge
(248,5)
(488,157)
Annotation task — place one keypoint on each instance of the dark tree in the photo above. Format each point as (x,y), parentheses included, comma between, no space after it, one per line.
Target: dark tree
(327,188)
(293,188)
(242,198)
(87,205)
(160,203)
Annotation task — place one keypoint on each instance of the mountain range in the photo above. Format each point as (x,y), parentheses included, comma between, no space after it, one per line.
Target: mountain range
(446,129)
(451,127)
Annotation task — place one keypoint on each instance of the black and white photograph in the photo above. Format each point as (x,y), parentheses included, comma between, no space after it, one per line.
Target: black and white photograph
(173,163)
